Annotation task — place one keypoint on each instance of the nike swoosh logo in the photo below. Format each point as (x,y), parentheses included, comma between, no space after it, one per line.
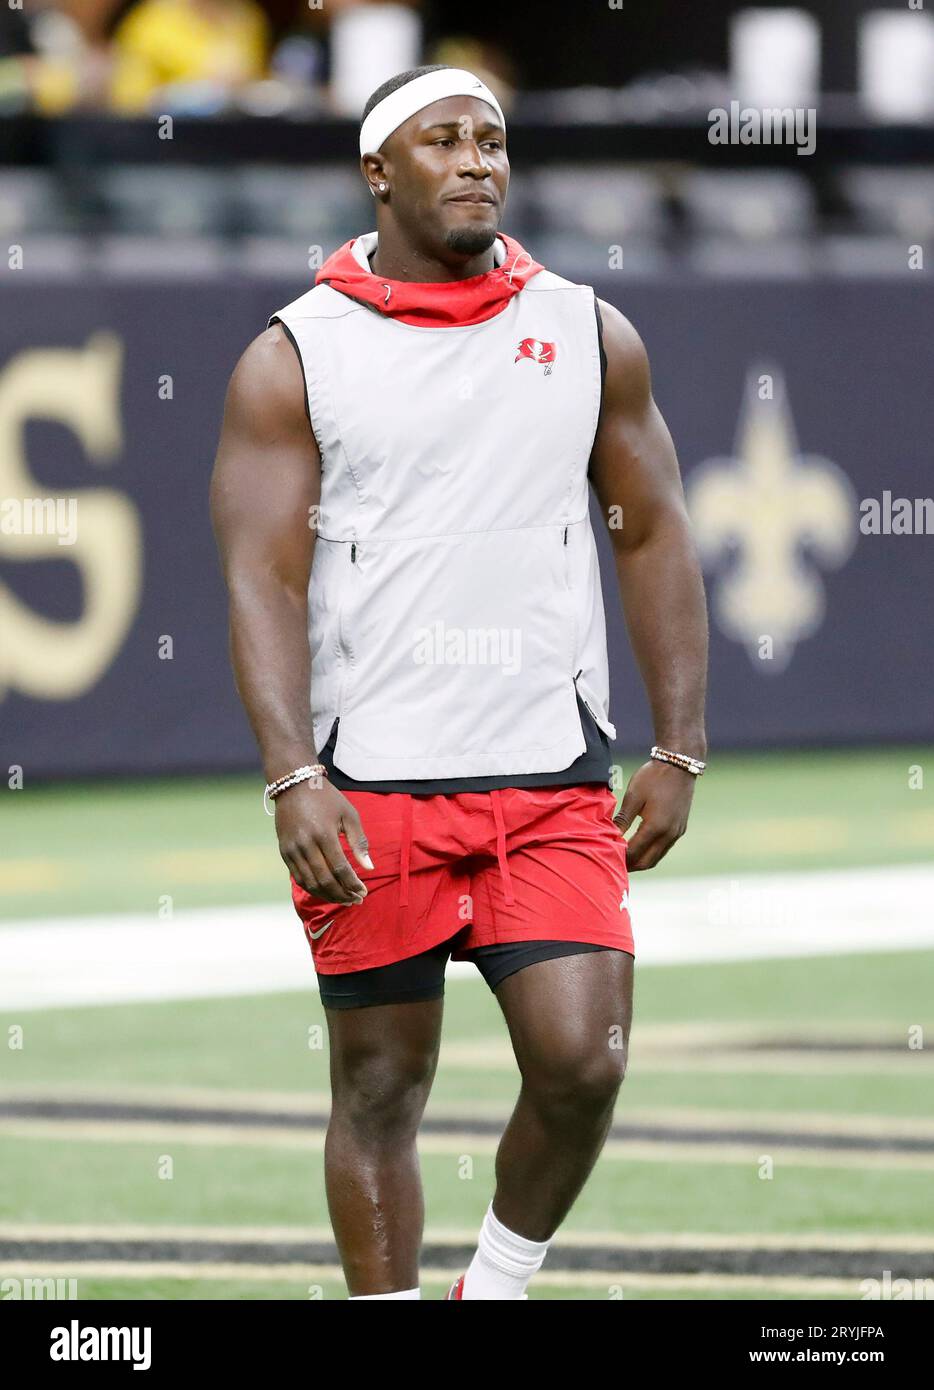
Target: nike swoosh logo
(321,930)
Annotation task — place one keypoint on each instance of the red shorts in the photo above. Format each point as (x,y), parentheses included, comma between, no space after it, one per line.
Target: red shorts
(521,864)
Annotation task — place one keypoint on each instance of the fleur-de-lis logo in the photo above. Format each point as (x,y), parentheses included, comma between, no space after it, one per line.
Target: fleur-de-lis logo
(767,519)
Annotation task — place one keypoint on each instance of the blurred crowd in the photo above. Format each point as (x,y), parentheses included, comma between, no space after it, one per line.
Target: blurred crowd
(133,57)
(303,57)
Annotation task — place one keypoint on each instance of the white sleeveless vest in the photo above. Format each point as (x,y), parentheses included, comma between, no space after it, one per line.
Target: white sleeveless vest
(454,599)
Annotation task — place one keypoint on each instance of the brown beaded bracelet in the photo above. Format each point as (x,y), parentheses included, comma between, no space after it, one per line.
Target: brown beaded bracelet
(683,760)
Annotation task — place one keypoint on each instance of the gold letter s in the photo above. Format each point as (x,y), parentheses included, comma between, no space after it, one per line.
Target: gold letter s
(80,387)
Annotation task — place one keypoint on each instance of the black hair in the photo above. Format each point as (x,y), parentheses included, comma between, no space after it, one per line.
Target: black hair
(394,83)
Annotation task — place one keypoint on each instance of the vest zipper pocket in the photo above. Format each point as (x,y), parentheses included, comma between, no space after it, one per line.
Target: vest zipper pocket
(346,646)
(585,702)
(571,599)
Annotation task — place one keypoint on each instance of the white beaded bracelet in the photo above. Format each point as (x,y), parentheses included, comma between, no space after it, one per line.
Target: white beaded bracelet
(291,779)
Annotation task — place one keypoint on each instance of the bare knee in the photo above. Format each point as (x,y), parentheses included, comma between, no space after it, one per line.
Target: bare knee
(381,1096)
(578,1083)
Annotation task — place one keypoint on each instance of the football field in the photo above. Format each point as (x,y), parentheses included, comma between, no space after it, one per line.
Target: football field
(164,1092)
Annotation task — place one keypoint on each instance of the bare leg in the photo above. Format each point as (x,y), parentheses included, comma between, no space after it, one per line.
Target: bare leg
(383,1062)
(569,1022)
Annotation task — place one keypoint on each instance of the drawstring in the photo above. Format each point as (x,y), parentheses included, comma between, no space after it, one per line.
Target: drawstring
(405,850)
(515,265)
(501,847)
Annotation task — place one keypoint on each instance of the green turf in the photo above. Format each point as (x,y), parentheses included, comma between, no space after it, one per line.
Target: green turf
(201,1289)
(86,1182)
(124,846)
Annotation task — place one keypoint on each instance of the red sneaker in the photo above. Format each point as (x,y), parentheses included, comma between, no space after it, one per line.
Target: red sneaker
(457,1289)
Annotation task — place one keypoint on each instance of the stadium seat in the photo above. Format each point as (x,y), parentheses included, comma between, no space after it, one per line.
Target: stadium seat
(58,257)
(583,259)
(31,200)
(151,257)
(899,201)
(862,255)
(301,203)
(167,202)
(747,205)
(582,217)
(727,257)
(276,258)
(606,203)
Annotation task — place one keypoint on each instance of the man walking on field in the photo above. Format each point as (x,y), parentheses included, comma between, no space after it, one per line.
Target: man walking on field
(425,667)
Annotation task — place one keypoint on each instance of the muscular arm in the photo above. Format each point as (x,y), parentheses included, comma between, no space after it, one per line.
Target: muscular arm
(267,477)
(635,475)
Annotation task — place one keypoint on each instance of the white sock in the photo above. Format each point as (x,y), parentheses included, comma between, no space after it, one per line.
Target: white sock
(406,1293)
(504,1262)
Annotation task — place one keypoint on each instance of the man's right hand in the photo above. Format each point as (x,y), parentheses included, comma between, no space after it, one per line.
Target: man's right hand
(309,821)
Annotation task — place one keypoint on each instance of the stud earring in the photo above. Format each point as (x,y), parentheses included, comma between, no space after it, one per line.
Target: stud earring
(383,187)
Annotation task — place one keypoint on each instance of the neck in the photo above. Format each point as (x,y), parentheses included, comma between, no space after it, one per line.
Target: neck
(397,259)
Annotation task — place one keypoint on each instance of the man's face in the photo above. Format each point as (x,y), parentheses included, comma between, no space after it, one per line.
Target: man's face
(448,172)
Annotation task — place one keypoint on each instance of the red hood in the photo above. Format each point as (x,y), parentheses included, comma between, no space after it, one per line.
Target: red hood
(432,304)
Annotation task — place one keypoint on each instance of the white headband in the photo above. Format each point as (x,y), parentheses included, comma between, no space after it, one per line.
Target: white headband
(387,115)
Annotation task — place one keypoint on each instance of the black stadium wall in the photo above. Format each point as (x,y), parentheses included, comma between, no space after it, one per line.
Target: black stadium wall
(803,417)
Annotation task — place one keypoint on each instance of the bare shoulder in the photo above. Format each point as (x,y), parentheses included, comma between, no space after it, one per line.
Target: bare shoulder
(267,387)
(628,377)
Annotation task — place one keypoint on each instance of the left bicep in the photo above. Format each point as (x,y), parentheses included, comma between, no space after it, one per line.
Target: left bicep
(634,468)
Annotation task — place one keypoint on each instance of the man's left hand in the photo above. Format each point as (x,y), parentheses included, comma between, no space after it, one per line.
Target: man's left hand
(661,794)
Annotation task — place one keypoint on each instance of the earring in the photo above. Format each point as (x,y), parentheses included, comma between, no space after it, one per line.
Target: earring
(383,187)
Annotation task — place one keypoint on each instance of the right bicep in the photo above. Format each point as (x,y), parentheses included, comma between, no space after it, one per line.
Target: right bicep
(266,483)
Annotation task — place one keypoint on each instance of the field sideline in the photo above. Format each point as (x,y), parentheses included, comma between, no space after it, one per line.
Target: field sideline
(774,1137)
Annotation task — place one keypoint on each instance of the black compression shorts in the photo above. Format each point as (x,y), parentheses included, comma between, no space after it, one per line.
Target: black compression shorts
(421,977)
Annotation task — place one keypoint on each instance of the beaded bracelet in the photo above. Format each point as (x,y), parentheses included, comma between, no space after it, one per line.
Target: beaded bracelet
(291,779)
(683,760)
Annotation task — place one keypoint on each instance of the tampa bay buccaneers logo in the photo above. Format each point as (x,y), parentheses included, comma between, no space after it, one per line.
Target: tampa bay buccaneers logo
(542,353)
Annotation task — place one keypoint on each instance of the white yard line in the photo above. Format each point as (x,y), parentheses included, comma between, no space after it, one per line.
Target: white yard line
(201,952)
